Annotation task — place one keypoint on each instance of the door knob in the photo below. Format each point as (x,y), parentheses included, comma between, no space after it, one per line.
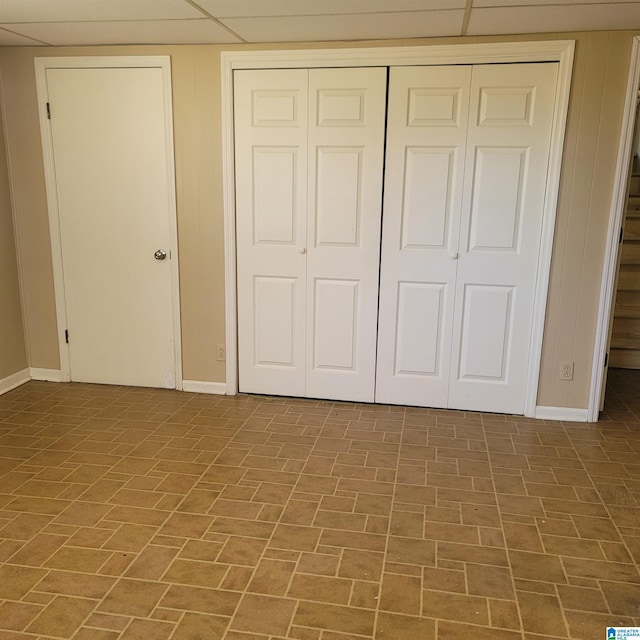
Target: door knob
(453,255)
(302,250)
(160,254)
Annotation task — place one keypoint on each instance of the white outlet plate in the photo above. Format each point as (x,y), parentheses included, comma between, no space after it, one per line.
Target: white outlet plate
(566,371)
(221,354)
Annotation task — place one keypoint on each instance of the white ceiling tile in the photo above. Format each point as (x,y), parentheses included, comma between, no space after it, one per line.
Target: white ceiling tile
(202,31)
(550,18)
(88,10)
(259,8)
(89,22)
(9,39)
(514,3)
(416,24)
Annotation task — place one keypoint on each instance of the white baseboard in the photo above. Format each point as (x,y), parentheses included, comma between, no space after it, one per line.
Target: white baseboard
(196,386)
(48,375)
(568,414)
(14,380)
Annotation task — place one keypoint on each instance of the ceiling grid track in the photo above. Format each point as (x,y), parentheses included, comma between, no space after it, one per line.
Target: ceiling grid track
(229,22)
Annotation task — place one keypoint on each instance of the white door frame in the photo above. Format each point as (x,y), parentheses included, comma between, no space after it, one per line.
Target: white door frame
(560,51)
(102,62)
(616,218)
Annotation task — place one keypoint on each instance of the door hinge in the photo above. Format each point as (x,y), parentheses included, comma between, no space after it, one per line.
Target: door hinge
(66,336)
(606,360)
(48,111)
(621,235)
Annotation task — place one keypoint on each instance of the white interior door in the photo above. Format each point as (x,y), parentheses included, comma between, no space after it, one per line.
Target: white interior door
(507,155)
(346,154)
(467,156)
(113,182)
(270,114)
(309,157)
(426,138)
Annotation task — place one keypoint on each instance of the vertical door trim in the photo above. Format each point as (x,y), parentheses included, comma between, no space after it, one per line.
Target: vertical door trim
(616,215)
(561,51)
(41,67)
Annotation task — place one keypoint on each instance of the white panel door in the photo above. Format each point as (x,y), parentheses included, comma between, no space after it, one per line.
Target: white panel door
(112,185)
(270,111)
(509,136)
(346,153)
(309,158)
(426,137)
(466,168)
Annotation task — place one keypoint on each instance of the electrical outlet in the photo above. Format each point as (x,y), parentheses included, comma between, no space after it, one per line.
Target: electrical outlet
(566,371)
(221,355)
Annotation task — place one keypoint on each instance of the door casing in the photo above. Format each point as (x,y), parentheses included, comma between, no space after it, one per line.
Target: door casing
(72,62)
(561,51)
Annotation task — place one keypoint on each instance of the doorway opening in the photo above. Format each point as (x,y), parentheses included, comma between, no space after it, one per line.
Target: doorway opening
(615,339)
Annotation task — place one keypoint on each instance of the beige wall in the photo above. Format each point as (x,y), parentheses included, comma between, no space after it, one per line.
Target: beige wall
(200,224)
(595,114)
(13,357)
(589,164)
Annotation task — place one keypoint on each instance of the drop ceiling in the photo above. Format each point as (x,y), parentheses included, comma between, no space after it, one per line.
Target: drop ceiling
(105,22)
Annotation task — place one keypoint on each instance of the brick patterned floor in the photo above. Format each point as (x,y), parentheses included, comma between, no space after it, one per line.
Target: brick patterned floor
(140,514)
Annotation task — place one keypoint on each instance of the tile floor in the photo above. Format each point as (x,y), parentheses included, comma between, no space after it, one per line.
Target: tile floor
(150,514)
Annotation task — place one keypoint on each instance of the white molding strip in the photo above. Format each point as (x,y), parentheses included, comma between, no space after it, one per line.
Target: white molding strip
(48,375)
(616,216)
(197,386)
(229,210)
(566,414)
(550,206)
(14,380)
(561,51)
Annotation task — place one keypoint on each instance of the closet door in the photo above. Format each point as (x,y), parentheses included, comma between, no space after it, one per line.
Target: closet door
(507,156)
(309,159)
(466,169)
(270,111)
(426,137)
(346,154)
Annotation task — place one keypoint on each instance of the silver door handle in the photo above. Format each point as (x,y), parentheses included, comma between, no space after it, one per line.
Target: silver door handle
(160,254)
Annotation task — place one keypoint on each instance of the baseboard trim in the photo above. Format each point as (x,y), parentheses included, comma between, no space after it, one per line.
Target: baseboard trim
(47,375)
(14,380)
(568,414)
(197,386)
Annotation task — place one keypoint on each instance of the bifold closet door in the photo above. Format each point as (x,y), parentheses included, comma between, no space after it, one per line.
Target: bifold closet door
(507,157)
(467,156)
(309,158)
(426,137)
(344,212)
(270,112)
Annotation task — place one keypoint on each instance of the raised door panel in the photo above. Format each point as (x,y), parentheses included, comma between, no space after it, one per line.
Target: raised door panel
(426,134)
(418,339)
(507,154)
(335,329)
(338,211)
(497,203)
(275,181)
(420,231)
(270,111)
(345,160)
(275,325)
(486,332)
